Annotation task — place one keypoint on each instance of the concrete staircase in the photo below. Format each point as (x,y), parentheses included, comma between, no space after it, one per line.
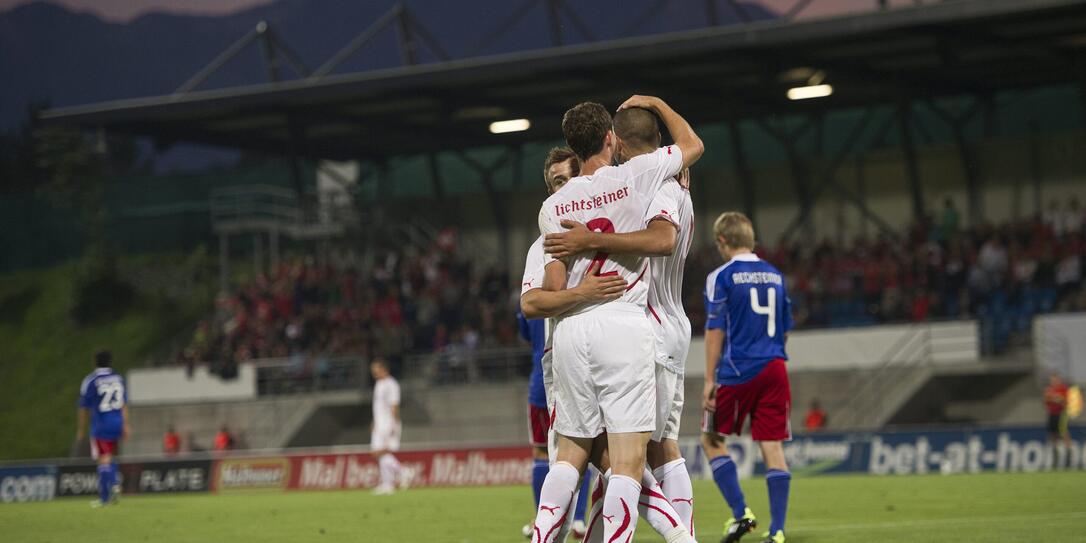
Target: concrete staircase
(256,424)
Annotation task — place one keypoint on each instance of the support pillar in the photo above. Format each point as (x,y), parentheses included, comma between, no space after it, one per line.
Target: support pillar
(258,255)
(271,62)
(861,193)
(273,248)
(970,163)
(224,263)
(1036,172)
(912,171)
(497,204)
(743,174)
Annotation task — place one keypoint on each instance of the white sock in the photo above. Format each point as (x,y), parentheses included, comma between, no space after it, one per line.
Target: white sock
(389,468)
(675,480)
(595,516)
(620,508)
(563,532)
(555,500)
(654,507)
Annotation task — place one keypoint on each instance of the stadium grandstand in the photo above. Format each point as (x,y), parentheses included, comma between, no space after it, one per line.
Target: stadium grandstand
(359,192)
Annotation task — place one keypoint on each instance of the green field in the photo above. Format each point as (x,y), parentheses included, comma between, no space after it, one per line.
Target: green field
(1049,507)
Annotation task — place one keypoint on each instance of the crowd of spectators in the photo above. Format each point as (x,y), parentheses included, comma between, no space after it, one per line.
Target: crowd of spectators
(437,300)
(311,311)
(1001,274)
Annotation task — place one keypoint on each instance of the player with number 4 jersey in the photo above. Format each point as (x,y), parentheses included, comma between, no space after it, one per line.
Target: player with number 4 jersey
(748,318)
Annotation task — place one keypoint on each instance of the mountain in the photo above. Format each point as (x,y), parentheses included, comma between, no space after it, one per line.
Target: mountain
(50,54)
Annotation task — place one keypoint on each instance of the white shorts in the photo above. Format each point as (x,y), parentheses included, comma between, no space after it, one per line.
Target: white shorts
(385,438)
(672,340)
(670,394)
(604,377)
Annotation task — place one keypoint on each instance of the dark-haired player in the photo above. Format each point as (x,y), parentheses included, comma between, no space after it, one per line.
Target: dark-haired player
(603,352)
(103,399)
(560,166)
(667,494)
(385,436)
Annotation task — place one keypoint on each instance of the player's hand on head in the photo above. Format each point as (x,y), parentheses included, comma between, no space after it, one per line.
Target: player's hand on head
(571,242)
(597,288)
(641,101)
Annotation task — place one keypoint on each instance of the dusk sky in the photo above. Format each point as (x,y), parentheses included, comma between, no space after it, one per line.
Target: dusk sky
(125,10)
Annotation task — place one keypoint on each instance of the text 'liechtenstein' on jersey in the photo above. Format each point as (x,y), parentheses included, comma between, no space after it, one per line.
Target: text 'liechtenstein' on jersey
(672,202)
(613,199)
(746,298)
(103,393)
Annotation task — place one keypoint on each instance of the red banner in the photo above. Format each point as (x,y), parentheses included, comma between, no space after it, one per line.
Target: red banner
(469,467)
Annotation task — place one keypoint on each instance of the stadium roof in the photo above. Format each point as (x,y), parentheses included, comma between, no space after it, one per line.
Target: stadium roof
(954,48)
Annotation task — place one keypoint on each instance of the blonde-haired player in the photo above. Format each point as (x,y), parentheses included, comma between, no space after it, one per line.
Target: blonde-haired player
(748,316)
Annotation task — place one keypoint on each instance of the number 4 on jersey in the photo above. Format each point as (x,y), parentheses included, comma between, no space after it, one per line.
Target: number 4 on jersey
(769,309)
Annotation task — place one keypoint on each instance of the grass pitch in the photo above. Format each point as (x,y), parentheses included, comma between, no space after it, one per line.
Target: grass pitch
(1049,507)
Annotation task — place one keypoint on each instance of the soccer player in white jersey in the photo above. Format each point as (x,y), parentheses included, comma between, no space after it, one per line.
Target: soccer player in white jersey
(385,436)
(603,352)
(559,167)
(667,237)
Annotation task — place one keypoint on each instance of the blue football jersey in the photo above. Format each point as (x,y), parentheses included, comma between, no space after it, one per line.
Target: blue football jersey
(103,393)
(746,298)
(535,332)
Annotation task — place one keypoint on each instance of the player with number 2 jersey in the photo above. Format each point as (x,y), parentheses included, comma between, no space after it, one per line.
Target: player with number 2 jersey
(612,368)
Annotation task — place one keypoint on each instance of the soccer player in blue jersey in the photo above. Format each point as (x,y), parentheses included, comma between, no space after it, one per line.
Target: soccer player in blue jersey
(103,399)
(748,318)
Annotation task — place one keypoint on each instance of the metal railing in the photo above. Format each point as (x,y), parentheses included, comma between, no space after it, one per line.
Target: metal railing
(304,374)
(905,365)
(462,365)
(270,208)
(453,365)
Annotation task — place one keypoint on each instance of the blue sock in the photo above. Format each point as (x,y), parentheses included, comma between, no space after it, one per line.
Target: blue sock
(727,480)
(539,474)
(778,482)
(103,482)
(114,473)
(582,499)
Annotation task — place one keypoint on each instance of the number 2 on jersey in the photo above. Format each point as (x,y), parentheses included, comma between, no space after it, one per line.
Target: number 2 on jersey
(112,397)
(604,225)
(769,309)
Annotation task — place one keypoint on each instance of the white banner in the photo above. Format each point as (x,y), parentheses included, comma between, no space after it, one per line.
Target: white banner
(1059,345)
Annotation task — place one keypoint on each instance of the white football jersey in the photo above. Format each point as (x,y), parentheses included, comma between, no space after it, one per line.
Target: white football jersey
(613,199)
(386,395)
(665,305)
(533,278)
(533,267)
